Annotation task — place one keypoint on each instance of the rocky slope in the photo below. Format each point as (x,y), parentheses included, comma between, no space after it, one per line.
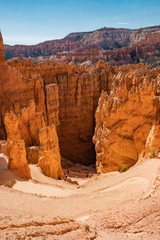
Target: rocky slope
(115,46)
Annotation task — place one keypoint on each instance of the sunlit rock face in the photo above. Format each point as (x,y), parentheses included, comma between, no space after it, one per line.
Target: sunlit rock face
(70,96)
(115,46)
(125,116)
(2,58)
(17,158)
(49,154)
(15,154)
(60,99)
(41,142)
(25,109)
(64,95)
(129,93)
(18,90)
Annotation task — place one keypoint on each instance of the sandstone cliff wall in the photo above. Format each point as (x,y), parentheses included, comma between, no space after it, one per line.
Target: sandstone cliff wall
(125,116)
(71,95)
(29,140)
(66,96)
(78,92)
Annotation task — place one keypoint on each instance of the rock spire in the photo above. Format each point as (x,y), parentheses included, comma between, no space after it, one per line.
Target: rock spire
(2,58)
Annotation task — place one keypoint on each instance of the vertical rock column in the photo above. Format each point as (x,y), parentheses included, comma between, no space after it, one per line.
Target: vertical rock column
(2,58)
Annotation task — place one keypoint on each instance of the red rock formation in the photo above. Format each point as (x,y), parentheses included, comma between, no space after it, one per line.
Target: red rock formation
(77,97)
(67,95)
(125,116)
(152,143)
(2,58)
(52,103)
(27,126)
(70,95)
(144,50)
(115,46)
(17,90)
(23,94)
(16,153)
(152,146)
(78,92)
(49,153)
(17,158)
(30,129)
(32,154)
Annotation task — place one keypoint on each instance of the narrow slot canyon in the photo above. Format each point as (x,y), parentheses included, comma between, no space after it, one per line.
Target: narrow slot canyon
(78,156)
(76,121)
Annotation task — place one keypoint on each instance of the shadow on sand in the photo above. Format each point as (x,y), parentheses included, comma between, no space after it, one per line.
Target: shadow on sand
(7,177)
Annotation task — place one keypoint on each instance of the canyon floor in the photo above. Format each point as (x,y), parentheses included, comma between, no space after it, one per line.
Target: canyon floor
(107,206)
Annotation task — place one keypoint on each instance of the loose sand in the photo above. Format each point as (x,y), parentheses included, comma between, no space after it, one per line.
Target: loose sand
(100,207)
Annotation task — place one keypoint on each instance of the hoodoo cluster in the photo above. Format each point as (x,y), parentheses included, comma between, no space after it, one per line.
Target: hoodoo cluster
(51,109)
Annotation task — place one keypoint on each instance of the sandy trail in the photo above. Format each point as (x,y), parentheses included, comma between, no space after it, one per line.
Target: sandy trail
(96,194)
(137,181)
(44,197)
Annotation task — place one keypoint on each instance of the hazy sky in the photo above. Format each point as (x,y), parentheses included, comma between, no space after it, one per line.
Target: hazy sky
(34,21)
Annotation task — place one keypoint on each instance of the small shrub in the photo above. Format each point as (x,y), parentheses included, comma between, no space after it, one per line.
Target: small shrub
(7,184)
(123,169)
(153,153)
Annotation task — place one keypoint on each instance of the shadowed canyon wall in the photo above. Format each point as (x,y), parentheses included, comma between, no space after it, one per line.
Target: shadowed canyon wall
(71,97)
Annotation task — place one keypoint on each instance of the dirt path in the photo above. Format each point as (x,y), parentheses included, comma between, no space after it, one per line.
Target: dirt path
(97,194)
(47,198)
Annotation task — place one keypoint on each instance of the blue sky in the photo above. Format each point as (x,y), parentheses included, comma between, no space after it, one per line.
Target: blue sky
(34,21)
